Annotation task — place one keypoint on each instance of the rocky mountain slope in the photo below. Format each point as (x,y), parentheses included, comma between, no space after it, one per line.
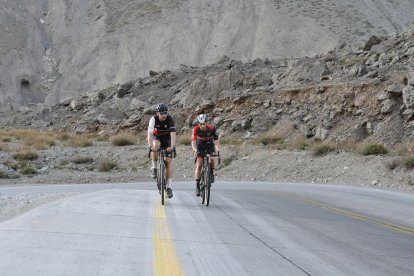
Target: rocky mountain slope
(54,50)
(341,96)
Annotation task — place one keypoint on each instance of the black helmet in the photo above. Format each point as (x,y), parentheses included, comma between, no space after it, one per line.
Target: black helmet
(161,107)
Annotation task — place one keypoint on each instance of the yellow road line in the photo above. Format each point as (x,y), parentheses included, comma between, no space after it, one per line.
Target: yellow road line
(165,257)
(387,224)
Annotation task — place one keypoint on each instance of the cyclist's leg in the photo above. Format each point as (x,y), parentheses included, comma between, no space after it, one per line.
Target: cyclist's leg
(154,157)
(212,161)
(197,173)
(155,145)
(165,143)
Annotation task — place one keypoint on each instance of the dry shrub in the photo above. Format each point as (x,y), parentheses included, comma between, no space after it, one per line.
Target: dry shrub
(63,136)
(268,139)
(80,141)
(25,155)
(40,141)
(301,144)
(409,163)
(393,164)
(350,147)
(28,170)
(123,139)
(30,137)
(374,149)
(231,141)
(82,159)
(107,165)
(323,149)
(185,140)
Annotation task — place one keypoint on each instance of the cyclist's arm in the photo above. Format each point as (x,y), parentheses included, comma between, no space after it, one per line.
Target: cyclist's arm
(173,139)
(150,136)
(194,139)
(194,145)
(216,140)
(217,144)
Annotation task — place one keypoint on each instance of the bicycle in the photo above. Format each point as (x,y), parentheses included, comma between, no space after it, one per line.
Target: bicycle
(205,183)
(161,172)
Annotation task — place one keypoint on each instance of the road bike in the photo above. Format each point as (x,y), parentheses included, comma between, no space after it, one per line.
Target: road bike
(206,175)
(161,172)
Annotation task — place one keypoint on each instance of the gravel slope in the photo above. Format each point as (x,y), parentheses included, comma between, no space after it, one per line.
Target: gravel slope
(246,162)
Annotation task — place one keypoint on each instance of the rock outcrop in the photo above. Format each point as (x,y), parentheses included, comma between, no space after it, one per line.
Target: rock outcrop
(365,95)
(54,50)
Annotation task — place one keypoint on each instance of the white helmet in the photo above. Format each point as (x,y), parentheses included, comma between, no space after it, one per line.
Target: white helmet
(202,118)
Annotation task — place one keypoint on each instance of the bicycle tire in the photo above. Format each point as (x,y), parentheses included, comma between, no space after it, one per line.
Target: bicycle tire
(207,184)
(202,189)
(162,181)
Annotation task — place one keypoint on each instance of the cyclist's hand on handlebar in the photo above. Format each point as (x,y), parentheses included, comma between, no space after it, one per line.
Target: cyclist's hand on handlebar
(170,149)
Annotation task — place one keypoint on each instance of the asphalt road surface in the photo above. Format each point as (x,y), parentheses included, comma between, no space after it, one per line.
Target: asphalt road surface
(248,229)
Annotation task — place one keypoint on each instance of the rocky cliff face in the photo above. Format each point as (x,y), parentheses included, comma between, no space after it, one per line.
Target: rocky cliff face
(340,96)
(53,50)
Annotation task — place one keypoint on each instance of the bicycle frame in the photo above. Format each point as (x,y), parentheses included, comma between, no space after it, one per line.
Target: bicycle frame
(161,172)
(205,183)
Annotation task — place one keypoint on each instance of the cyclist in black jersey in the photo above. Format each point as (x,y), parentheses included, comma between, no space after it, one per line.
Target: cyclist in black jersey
(161,133)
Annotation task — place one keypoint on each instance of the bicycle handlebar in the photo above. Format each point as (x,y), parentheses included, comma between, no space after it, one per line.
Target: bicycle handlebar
(150,150)
(209,155)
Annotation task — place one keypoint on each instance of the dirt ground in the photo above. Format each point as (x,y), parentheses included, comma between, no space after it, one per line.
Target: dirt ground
(241,162)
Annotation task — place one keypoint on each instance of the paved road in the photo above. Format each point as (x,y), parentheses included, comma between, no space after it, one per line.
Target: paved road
(249,229)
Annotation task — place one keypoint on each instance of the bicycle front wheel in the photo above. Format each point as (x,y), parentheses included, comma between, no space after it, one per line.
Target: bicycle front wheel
(162,181)
(207,182)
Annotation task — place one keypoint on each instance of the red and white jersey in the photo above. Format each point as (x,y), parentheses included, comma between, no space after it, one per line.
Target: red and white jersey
(208,134)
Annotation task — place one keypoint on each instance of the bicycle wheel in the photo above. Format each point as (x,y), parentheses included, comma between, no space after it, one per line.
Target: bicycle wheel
(203,195)
(162,180)
(207,181)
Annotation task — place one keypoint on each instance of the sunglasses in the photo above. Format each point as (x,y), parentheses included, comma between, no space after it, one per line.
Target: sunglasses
(164,113)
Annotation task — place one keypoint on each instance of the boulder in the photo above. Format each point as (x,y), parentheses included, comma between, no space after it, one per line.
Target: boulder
(373,40)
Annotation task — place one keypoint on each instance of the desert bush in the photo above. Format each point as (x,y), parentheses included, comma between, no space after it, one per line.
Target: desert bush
(231,141)
(11,164)
(409,163)
(185,140)
(25,155)
(323,149)
(82,159)
(393,164)
(28,170)
(40,141)
(301,144)
(107,165)
(3,174)
(227,161)
(374,149)
(123,139)
(6,139)
(63,136)
(268,140)
(80,142)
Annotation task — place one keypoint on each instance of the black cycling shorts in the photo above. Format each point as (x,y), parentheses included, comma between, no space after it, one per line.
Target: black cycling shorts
(165,142)
(205,147)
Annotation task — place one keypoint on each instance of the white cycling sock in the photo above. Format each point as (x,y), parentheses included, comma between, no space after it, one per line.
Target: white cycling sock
(154,164)
(169,181)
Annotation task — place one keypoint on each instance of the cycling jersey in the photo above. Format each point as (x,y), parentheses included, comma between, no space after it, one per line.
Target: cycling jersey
(161,128)
(208,134)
